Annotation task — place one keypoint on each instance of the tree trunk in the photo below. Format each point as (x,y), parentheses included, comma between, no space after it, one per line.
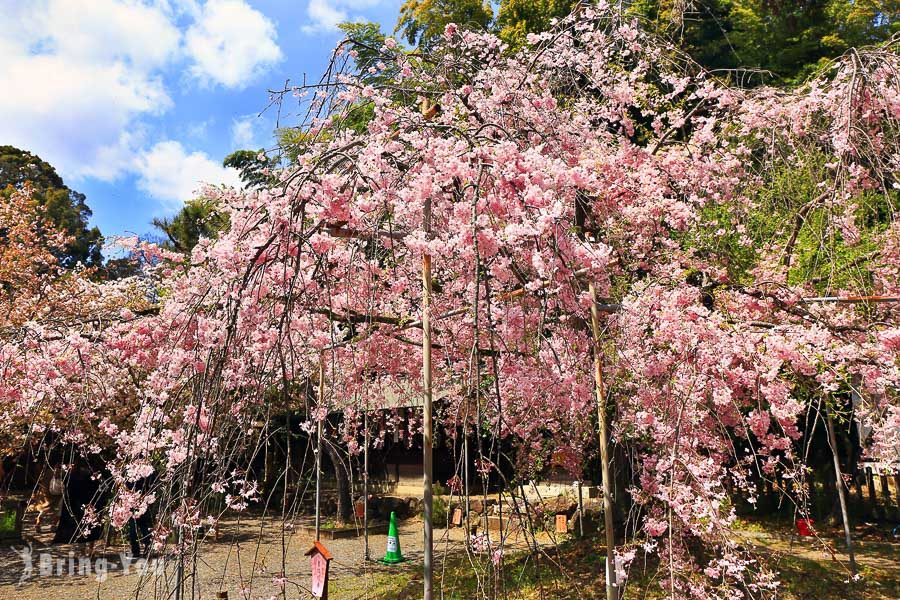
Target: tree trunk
(344,501)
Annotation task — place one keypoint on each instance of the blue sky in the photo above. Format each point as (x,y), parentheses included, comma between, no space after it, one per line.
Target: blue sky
(135,102)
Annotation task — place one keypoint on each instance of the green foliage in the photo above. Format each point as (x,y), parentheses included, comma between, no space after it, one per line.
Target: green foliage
(366,39)
(422,22)
(120,268)
(64,207)
(373,67)
(7,520)
(804,574)
(781,41)
(252,165)
(788,204)
(787,38)
(440,509)
(198,218)
(517,18)
(292,141)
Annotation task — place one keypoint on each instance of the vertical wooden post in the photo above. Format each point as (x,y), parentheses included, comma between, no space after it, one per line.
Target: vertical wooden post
(366,480)
(580,510)
(319,406)
(612,590)
(427,425)
(832,441)
(870,487)
(857,481)
(466,467)
(426,410)
(885,489)
(179,570)
(267,460)
(428,112)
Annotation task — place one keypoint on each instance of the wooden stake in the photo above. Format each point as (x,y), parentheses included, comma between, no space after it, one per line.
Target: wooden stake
(612,590)
(870,487)
(366,479)
(832,441)
(885,489)
(580,510)
(320,404)
(427,425)
(428,112)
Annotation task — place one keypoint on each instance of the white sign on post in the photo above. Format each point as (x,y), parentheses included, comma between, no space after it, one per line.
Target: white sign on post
(620,574)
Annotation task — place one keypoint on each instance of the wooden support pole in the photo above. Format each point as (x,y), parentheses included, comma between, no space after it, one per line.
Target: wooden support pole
(427,425)
(612,590)
(885,489)
(366,481)
(832,441)
(870,488)
(580,509)
(319,406)
(179,570)
(468,505)
(851,299)
(428,475)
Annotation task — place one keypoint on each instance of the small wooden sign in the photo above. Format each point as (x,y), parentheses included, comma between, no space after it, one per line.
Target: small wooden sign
(562,524)
(320,559)
(360,509)
(457,517)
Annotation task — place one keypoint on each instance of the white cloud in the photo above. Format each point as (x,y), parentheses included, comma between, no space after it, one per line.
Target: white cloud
(76,77)
(327,14)
(82,80)
(242,134)
(247,134)
(103,31)
(168,173)
(231,43)
(199,130)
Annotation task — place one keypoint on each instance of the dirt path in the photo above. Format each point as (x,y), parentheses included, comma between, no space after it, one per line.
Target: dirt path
(248,556)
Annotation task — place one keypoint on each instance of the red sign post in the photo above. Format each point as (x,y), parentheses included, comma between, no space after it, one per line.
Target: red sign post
(320,559)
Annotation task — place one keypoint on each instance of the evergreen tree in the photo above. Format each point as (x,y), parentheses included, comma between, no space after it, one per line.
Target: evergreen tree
(65,208)
(422,22)
(198,218)
(788,39)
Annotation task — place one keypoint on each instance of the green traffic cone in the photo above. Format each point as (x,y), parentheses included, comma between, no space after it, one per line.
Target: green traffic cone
(393,555)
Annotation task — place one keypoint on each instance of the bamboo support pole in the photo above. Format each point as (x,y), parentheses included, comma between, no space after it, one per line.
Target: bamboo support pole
(850,299)
(832,441)
(319,406)
(427,425)
(870,488)
(428,112)
(612,590)
(366,482)
(885,489)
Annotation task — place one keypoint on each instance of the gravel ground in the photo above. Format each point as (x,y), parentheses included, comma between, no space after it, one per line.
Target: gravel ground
(248,554)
